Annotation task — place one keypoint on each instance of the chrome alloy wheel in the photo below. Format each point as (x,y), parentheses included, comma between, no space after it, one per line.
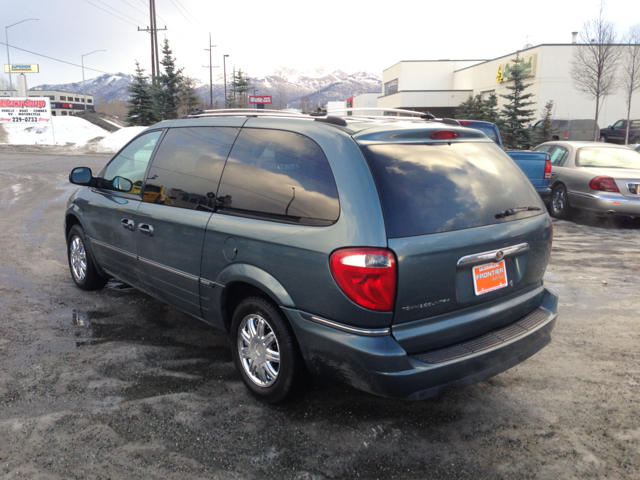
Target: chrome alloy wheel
(259,350)
(78,258)
(558,201)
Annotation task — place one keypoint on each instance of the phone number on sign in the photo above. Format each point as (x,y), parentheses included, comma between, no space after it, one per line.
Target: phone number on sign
(25,119)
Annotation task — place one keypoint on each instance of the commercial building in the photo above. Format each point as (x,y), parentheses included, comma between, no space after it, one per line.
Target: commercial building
(439,86)
(62,103)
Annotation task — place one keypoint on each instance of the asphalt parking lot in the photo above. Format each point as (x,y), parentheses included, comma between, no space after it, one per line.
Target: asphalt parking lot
(116,385)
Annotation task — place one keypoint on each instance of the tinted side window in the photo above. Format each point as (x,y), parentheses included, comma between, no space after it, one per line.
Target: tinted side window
(279,175)
(186,169)
(131,163)
(543,148)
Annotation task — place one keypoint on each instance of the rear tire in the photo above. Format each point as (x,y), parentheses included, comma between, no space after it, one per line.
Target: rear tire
(559,203)
(83,271)
(265,351)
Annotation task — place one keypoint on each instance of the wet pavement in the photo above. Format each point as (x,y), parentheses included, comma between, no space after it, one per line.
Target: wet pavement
(114,384)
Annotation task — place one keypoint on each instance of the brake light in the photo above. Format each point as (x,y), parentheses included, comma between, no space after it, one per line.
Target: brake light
(566,135)
(465,122)
(443,135)
(547,169)
(604,184)
(367,276)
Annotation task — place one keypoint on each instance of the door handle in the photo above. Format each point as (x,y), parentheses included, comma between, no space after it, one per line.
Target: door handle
(146,229)
(128,224)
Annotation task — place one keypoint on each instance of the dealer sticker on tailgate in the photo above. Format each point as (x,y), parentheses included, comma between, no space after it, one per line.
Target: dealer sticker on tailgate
(489,277)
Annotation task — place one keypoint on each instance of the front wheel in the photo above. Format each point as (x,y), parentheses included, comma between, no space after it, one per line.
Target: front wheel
(83,271)
(603,138)
(560,203)
(265,351)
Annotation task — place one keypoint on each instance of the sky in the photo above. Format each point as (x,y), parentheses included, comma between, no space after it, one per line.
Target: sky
(262,36)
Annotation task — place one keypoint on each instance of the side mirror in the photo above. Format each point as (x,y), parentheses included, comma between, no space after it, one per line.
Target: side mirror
(82,176)
(611,127)
(121,184)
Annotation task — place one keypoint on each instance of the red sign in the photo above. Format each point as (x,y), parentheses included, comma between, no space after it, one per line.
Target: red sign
(259,98)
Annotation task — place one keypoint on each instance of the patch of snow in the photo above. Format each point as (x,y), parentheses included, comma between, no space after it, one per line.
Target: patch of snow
(116,140)
(73,131)
(65,130)
(112,123)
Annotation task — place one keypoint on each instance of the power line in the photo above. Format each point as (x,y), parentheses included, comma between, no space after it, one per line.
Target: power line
(184,8)
(115,9)
(185,17)
(112,14)
(166,24)
(144,13)
(56,59)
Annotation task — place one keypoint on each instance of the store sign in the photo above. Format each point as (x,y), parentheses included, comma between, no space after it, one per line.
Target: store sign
(25,110)
(22,68)
(504,69)
(259,99)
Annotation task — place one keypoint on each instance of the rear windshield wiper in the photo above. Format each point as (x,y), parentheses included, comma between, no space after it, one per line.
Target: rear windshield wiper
(513,211)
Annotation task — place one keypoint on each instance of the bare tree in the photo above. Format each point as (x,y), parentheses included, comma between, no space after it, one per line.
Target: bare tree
(594,63)
(630,81)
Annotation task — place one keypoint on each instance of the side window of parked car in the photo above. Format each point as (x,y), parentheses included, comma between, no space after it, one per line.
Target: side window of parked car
(559,156)
(543,148)
(186,169)
(281,176)
(131,163)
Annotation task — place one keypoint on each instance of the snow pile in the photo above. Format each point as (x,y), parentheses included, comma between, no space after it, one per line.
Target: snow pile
(114,141)
(72,131)
(65,130)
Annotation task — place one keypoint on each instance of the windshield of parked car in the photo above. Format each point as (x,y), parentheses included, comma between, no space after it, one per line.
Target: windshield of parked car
(608,157)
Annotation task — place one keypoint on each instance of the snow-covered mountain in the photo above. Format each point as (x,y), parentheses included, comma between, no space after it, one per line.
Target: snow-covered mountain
(288,87)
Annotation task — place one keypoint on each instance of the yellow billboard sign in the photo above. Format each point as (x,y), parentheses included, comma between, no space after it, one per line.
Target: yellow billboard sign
(22,68)
(528,62)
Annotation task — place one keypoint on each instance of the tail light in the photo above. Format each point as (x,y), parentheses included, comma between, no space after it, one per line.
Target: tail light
(604,184)
(367,276)
(547,169)
(444,135)
(566,135)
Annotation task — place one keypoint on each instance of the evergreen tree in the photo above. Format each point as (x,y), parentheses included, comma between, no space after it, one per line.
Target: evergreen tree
(474,108)
(490,113)
(544,132)
(140,108)
(168,87)
(240,88)
(515,114)
(188,97)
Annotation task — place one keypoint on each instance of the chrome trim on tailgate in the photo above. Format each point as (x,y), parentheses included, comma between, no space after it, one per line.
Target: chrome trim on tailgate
(493,255)
(365,332)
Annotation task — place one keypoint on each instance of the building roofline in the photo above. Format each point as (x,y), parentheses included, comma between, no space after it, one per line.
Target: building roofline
(434,61)
(538,46)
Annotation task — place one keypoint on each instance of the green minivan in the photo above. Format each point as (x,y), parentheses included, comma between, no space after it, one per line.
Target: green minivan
(400,256)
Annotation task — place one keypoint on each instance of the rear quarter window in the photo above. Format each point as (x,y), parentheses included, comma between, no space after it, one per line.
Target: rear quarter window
(427,189)
(280,176)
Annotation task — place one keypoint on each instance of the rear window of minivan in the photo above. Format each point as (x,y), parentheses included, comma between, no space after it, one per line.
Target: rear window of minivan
(427,189)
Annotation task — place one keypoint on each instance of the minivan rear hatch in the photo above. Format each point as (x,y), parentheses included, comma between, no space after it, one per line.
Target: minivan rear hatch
(469,231)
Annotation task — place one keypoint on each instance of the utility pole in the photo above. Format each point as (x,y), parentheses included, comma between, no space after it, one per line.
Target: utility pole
(210,67)
(224,63)
(153,30)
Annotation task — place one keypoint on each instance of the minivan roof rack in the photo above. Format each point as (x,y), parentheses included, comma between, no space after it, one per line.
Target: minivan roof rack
(243,111)
(422,115)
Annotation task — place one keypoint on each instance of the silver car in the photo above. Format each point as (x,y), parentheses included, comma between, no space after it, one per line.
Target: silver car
(597,177)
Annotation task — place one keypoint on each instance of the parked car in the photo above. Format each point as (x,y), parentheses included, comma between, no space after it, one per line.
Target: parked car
(617,132)
(575,129)
(596,177)
(402,257)
(535,165)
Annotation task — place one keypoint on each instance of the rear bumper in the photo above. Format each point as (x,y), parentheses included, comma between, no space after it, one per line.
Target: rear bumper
(374,362)
(544,192)
(604,202)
